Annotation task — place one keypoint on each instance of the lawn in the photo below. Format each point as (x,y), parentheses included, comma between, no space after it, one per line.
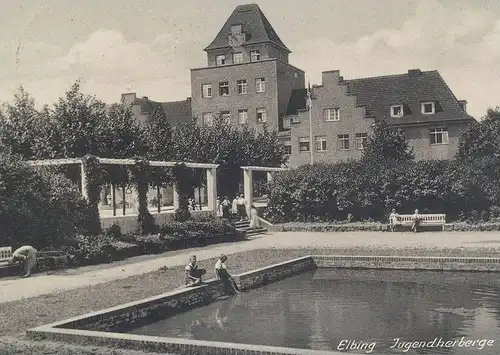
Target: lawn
(16,317)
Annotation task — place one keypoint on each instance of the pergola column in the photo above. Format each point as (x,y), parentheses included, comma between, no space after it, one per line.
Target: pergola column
(85,192)
(248,188)
(212,189)
(175,196)
(269,176)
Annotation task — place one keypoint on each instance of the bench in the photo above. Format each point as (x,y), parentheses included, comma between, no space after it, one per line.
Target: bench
(5,254)
(406,220)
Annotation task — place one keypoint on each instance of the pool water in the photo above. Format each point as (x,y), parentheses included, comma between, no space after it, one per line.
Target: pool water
(333,309)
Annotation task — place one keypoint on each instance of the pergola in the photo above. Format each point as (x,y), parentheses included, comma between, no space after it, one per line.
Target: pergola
(248,180)
(210,168)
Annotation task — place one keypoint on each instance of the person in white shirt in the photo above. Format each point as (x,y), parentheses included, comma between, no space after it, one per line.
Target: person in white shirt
(27,256)
(416,221)
(254,218)
(222,273)
(241,205)
(394,220)
(193,274)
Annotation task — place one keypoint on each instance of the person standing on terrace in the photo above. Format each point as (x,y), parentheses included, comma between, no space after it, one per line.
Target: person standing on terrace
(193,274)
(27,256)
(222,274)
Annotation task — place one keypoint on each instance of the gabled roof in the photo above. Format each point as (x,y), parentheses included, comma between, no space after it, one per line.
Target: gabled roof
(175,111)
(255,25)
(378,94)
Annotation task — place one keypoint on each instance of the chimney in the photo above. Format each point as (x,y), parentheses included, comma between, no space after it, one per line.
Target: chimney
(413,73)
(145,98)
(129,98)
(463,105)
(331,77)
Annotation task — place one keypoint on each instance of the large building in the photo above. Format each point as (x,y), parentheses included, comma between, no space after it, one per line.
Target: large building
(248,80)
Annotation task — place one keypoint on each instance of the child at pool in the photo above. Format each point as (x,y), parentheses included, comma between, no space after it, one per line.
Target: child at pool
(193,274)
(224,275)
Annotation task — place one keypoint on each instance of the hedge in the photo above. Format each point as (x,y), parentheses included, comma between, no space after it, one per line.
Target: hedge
(367,191)
(112,245)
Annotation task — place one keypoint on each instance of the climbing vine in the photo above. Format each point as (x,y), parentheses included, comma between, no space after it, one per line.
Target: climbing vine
(94,181)
(141,178)
(183,178)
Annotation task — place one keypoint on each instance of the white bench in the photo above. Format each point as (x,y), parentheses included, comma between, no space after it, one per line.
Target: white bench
(425,220)
(5,254)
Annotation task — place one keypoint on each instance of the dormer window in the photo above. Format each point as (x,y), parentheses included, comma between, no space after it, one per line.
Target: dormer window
(237,58)
(236,29)
(220,60)
(254,56)
(397,111)
(428,108)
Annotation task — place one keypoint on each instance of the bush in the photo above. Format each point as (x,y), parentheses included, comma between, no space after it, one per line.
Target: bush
(362,190)
(38,207)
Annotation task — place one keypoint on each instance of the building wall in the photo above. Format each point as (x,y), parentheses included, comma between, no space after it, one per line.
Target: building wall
(289,78)
(352,120)
(419,139)
(233,102)
(267,51)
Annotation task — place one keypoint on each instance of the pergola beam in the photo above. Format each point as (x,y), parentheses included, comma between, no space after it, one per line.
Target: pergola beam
(54,162)
(263,168)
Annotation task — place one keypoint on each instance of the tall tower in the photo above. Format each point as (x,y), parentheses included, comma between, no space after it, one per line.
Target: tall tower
(247,78)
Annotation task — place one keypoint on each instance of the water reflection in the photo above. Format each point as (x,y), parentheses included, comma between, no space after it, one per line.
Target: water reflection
(317,310)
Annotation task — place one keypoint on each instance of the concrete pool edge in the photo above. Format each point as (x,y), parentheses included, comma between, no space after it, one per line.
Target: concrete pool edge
(94,327)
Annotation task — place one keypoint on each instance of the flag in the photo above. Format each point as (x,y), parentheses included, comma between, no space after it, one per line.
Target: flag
(309,102)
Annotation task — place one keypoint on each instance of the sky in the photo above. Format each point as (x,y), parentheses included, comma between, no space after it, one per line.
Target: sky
(149,46)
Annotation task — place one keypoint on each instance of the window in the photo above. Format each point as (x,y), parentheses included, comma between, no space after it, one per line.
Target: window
(242,116)
(254,56)
(207,118)
(428,108)
(439,136)
(206,90)
(331,114)
(226,116)
(261,115)
(343,142)
(361,140)
(397,111)
(260,85)
(288,146)
(224,88)
(220,60)
(321,144)
(304,144)
(237,58)
(236,29)
(242,86)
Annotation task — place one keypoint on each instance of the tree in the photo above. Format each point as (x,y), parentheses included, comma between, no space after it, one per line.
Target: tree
(387,144)
(22,127)
(481,138)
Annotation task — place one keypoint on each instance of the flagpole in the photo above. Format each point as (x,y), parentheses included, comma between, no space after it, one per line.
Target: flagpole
(309,104)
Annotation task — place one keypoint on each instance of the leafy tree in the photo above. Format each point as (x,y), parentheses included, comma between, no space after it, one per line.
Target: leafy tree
(481,138)
(387,143)
(22,127)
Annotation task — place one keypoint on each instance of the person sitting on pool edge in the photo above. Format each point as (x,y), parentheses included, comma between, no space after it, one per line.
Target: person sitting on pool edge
(193,274)
(224,275)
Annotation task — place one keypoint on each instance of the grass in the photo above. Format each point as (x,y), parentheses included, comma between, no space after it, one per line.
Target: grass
(16,317)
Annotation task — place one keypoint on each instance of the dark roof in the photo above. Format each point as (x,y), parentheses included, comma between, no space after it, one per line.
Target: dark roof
(378,94)
(298,101)
(175,111)
(255,25)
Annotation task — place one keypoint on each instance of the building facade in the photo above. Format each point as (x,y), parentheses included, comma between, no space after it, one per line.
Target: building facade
(342,113)
(248,80)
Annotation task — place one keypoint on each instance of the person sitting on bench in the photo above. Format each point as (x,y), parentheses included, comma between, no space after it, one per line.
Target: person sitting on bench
(224,275)
(26,255)
(193,274)
(394,220)
(416,218)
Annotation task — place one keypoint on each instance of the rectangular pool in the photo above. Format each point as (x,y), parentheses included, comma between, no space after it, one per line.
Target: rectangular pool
(362,310)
